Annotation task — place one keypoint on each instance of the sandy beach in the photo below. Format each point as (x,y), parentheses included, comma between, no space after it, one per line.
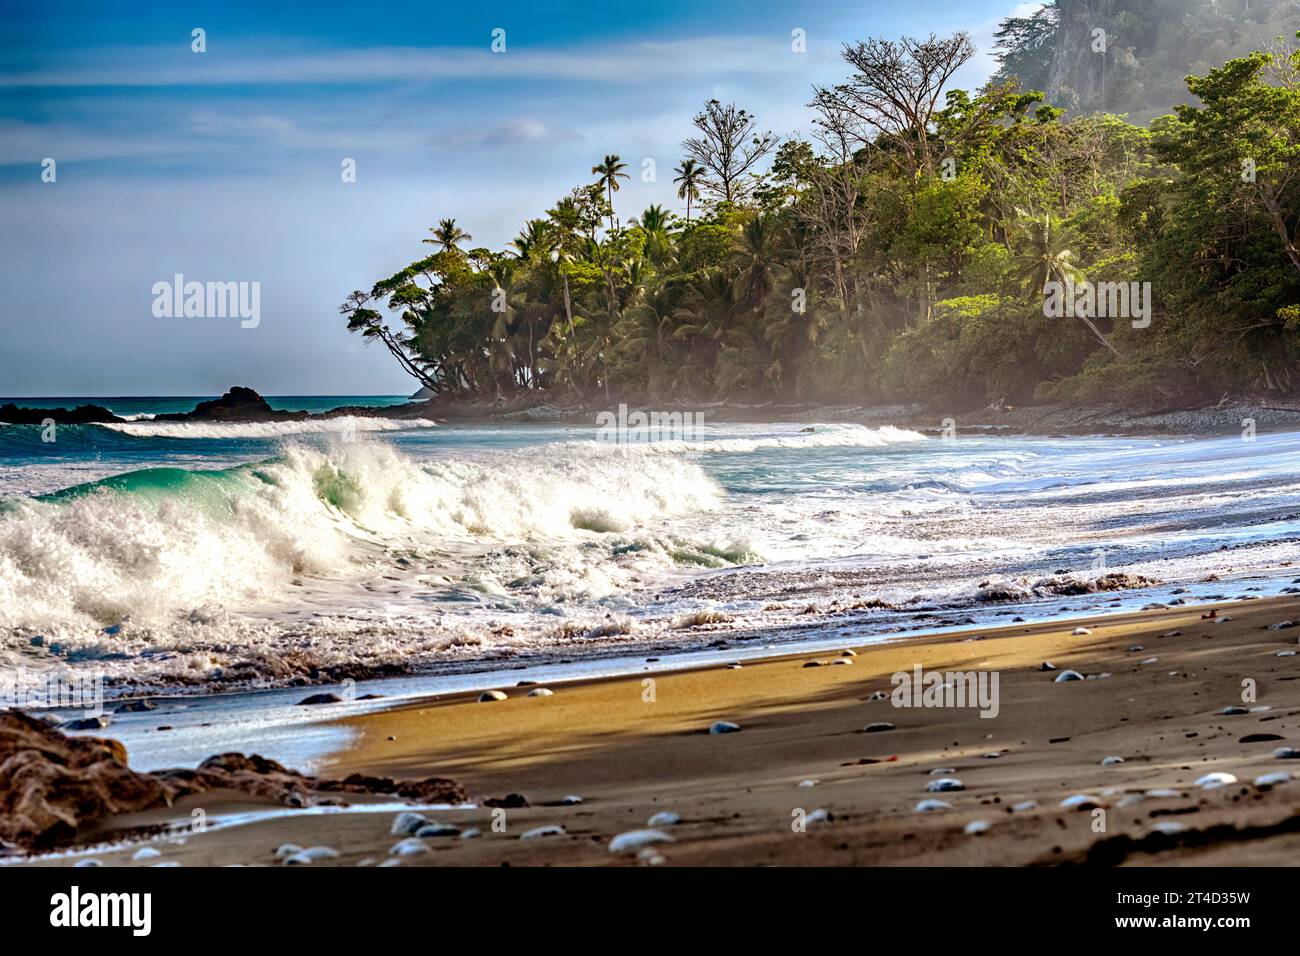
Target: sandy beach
(1155,689)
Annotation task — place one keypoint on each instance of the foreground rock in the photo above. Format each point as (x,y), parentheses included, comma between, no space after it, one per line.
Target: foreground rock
(53,787)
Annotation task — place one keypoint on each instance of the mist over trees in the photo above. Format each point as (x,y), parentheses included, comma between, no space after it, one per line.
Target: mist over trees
(902,250)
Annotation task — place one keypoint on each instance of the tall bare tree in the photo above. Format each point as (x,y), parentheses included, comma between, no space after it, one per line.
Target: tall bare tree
(728,147)
(895,90)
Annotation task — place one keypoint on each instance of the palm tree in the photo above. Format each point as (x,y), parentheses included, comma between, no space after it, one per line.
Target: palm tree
(1043,258)
(535,239)
(691,176)
(448,235)
(608,174)
(654,223)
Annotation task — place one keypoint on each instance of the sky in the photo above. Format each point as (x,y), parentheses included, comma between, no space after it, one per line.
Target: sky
(226,165)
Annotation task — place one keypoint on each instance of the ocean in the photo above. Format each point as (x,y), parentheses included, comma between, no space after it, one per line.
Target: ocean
(196,557)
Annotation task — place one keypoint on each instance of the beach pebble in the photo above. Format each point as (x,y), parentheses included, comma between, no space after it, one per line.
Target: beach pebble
(933,806)
(1285,654)
(1148,660)
(169,863)
(1131,800)
(818,816)
(1066,676)
(649,856)
(848,652)
(404,824)
(1168,827)
(1136,649)
(433,829)
(1212,781)
(297,859)
(879,726)
(1047,666)
(1111,761)
(87,723)
(1163,793)
(664,818)
(812,663)
(1234,711)
(1080,801)
(634,840)
(571,800)
(473,833)
(724,727)
(1080,631)
(976,827)
(877,695)
(145,853)
(841,660)
(940,771)
(1286,753)
(944,784)
(488,695)
(1282,625)
(1274,779)
(1024,806)
(537,833)
(287,849)
(807,783)
(90,862)
(541,692)
(316,699)
(390,862)
(408,847)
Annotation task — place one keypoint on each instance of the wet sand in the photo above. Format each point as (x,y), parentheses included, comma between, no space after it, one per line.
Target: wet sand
(631,749)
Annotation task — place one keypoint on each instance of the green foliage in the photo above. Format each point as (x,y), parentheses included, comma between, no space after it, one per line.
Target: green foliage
(850,272)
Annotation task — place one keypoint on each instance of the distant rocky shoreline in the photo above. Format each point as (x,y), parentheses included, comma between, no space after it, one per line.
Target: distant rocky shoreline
(242,404)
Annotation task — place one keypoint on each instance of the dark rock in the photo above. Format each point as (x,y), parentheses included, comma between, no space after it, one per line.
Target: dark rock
(320,699)
(240,404)
(81,415)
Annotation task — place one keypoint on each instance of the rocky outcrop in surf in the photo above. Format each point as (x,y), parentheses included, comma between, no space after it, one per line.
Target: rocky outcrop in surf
(240,404)
(54,788)
(1061,585)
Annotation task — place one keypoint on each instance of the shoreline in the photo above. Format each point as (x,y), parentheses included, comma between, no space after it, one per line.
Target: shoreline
(628,758)
(244,405)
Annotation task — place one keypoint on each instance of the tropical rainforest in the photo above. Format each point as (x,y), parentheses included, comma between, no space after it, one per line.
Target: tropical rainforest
(900,251)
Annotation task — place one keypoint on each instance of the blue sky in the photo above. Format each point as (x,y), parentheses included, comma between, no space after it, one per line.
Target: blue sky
(225,165)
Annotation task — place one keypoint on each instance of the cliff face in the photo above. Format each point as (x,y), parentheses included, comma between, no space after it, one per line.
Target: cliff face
(1149,47)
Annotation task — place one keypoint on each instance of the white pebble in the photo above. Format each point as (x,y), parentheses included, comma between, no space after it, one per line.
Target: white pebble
(944,785)
(976,827)
(145,853)
(664,818)
(1066,676)
(933,806)
(1024,806)
(404,824)
(817,816)
(1080,801)
(1167,827)
(408,847)
(634,840)
(541,692)
(539,832)
(807,783)
(724,727)
(1080,631)
(1273,779)
(1111,761)
(1212,781)
(488,695)
(288,849)
(571,800)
